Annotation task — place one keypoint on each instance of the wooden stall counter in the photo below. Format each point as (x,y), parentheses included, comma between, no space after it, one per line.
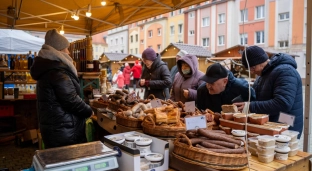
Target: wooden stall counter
(300,162)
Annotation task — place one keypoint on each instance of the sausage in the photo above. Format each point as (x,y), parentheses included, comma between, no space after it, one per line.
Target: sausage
(211,145)
(194,141)
(127,113)
(125,91)
(223,143)
(136,107)
(120,92)
(217,136)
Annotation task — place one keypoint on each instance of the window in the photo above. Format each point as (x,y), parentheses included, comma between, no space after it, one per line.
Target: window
(96,49)
(243,39)
(171,29)
(205,22)
(260,37)
(192,32)
(136,50)
(283,44)
(171,13)
(136,38)
(122,51)
(121,40)
(180,28)
(159,31)
(221,18)
(180,11)
(191,14)
(131,51)
(221,40)
(142,41)
(158,47)
(116,42)
(150,33)
(284,16)
(193,6)
(205,41)
(244,15)
(131,39)
(260,12)
(150,46)
(111,42)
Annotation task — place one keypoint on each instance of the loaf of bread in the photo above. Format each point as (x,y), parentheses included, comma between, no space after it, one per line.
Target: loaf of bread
(173,115)
(229,109)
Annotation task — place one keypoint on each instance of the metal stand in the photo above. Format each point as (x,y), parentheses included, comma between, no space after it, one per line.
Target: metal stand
(87,79)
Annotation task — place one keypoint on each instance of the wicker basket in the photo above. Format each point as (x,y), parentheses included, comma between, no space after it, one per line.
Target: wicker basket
(99,104)
(206,158)
(123,120)
(149,127)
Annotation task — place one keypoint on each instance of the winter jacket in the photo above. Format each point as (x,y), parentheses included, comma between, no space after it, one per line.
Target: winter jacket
(136,70)
(173,72)
(234,88)
(62,113)
(126,74)
(120,80)
(279,89)
(186,82)
(158,78)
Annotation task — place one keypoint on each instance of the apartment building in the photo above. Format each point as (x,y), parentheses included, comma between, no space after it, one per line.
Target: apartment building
(134,38)
(175,27)
(99,44)
(117,40)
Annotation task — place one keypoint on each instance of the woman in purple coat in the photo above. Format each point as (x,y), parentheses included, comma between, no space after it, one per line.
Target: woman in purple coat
(186,81)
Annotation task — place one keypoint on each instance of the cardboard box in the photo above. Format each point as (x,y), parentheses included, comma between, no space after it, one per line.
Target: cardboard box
(30,135)
(130,158)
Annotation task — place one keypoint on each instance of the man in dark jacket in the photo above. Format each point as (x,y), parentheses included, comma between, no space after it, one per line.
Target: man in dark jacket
(62,113)
(221,88)
(155,75)
(278,86)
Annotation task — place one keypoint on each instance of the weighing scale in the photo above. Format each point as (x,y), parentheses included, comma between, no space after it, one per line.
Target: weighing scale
(93,156)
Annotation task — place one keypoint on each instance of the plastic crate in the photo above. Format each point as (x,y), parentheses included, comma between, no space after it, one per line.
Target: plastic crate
(6,110)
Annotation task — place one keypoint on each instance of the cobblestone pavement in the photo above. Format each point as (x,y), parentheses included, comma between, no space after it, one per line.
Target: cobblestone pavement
(16,158)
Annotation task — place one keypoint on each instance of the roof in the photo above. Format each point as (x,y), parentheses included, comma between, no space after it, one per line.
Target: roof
(43,15)
(230,48)
(115,56)
(196,50)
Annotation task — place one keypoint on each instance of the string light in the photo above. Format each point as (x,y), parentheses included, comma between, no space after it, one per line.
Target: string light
(88,13)
(103,3)
(76,15)
(62,30)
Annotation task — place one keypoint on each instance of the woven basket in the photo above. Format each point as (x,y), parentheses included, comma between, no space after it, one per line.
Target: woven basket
(149,127)
(207,158)
(99,104)
(123,120)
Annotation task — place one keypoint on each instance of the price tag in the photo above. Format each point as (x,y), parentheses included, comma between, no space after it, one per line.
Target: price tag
(190,106)
(96,91)
(287,119)
(156,103)
(195,122)
(131,97)
(104,97)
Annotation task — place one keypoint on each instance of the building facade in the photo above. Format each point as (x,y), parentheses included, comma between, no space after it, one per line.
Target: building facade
(134,39)
(117,40)
(99,45)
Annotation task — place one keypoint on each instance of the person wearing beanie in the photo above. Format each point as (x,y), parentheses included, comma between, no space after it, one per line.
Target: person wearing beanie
(136,72)
(187,80)
(220,88)
(62,113)
(278,86)
(174,70)
(126,73)
(155,75)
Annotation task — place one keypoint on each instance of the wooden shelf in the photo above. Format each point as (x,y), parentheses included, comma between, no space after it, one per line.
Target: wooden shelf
(19,82)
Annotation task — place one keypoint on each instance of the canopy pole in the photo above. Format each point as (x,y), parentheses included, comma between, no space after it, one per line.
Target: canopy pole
(307,126)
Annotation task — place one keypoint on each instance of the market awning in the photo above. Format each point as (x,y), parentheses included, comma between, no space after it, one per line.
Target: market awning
(42,15)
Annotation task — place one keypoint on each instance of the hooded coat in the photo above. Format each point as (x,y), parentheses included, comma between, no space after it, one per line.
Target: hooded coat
(136,70)
(126,74)
(234,88)
(279,89)
(158,77)
(188,82)
(120,80)
(62,113)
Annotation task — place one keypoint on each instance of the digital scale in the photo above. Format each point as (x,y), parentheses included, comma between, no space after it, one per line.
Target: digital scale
(93,156)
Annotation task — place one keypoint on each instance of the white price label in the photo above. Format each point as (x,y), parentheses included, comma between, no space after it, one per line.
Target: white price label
(195,122)
(96,91)
(190,106)
(287,119)
(156,103)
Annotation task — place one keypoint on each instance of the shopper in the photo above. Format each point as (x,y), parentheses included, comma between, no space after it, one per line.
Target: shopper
(221,88)
(174,69)
(187,80)
(278,86)
(120,80)
(126,74)
(136,72)
(62,113)
(155,75)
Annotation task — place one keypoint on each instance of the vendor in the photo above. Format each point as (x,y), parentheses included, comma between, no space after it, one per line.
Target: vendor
(221,88)
(155,75)
(187,80)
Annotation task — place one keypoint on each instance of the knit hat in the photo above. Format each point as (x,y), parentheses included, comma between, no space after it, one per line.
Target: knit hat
(126,64)
(136,61)
(255,56)
(149,54)
(182,53)
(56,40)
(214,72)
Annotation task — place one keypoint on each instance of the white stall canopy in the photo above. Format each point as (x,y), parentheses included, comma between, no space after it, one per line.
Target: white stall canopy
(18,42)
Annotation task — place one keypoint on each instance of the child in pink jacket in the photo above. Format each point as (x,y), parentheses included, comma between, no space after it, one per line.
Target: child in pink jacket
(120,80)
